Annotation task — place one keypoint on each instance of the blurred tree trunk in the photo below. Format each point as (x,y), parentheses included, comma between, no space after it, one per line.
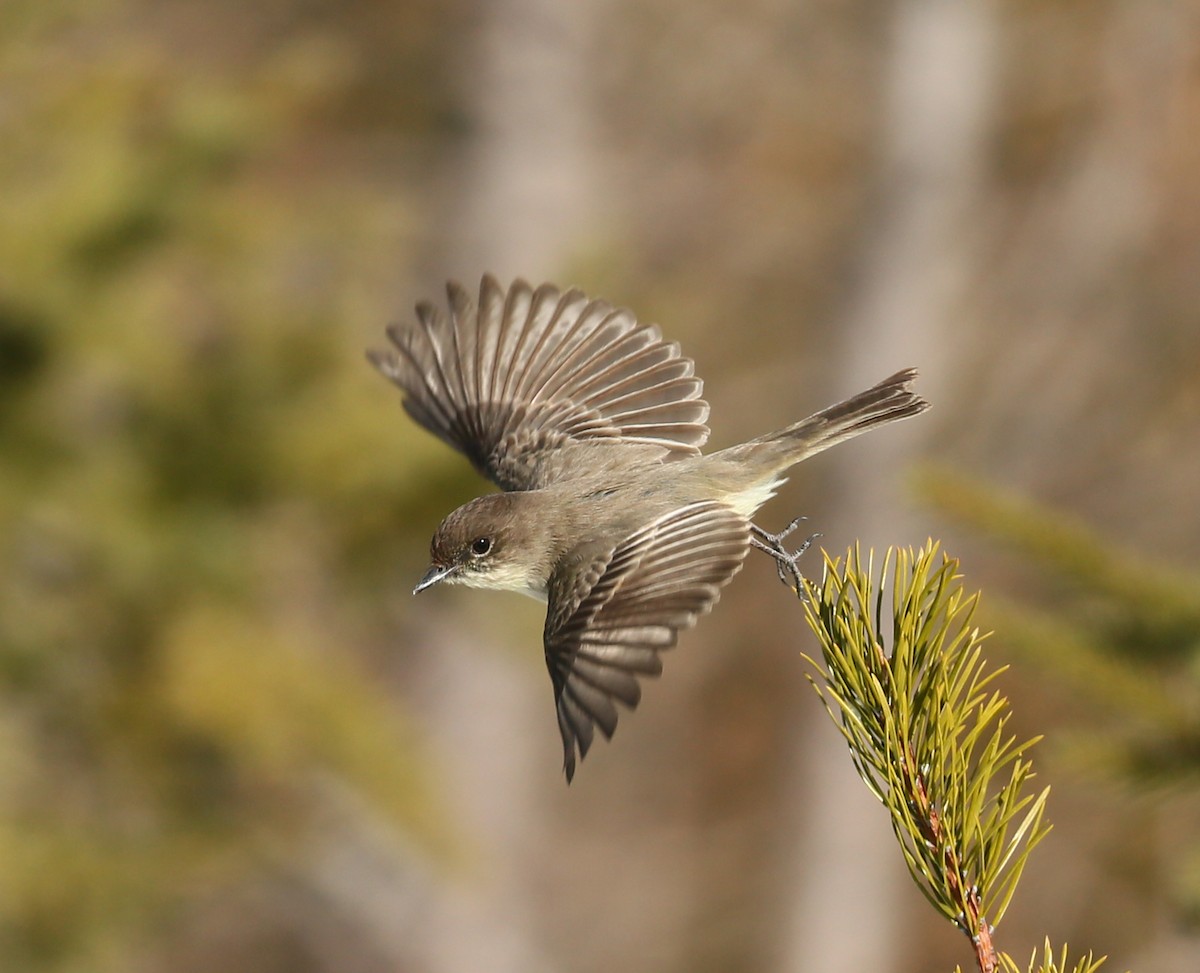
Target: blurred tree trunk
(851,892)
(528,176)
(516,207)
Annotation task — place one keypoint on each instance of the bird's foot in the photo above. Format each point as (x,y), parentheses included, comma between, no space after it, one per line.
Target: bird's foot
(785,560)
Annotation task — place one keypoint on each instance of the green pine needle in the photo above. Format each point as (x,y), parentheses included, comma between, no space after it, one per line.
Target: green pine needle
(927,730)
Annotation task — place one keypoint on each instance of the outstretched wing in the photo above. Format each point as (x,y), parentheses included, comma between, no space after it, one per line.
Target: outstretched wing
(528,371)
(610,617)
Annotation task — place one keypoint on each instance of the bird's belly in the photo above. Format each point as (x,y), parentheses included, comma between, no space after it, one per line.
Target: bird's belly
(746,502)
(638,501)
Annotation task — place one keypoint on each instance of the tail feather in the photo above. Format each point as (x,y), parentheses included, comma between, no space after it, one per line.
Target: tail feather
(889,400)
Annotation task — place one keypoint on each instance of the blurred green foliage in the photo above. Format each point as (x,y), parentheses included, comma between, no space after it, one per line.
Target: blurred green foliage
(200,492)
(1121,632)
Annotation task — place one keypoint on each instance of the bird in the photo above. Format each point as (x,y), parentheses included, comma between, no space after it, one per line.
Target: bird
(592,427)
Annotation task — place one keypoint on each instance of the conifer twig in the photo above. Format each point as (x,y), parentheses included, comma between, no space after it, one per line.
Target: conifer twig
(928,733)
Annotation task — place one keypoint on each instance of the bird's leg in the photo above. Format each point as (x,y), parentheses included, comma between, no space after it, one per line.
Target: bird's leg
(785,560)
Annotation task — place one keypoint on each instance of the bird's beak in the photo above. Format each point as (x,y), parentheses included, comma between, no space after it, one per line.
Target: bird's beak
(431,577)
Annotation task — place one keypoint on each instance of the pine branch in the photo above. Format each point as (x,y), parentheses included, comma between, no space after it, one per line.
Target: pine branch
(928,734)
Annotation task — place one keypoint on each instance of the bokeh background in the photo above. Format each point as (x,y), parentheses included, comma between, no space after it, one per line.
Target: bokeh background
(231,740)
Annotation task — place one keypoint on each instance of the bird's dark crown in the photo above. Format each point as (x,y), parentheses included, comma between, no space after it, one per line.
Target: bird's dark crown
(493,542)
(476,531)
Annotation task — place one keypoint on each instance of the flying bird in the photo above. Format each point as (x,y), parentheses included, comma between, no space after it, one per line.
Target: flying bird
(592,427)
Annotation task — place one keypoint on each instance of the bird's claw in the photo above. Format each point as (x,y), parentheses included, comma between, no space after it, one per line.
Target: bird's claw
(785,560)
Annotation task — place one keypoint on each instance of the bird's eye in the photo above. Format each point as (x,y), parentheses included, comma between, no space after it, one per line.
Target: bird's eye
(480,546)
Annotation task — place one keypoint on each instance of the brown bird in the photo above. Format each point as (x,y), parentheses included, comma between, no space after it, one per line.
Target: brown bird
(592,425)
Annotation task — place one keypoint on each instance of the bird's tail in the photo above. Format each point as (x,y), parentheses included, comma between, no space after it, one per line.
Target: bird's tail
(889,400)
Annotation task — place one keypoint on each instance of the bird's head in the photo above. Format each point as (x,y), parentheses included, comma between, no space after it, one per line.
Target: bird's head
(487,543)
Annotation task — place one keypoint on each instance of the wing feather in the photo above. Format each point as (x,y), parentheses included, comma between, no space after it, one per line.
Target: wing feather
(610,617)
(510,380)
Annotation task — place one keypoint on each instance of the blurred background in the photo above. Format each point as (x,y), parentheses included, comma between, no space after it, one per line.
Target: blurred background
(230,739)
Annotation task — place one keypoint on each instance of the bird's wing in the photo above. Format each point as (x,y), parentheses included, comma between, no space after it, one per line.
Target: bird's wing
(529,370)
(611,615)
